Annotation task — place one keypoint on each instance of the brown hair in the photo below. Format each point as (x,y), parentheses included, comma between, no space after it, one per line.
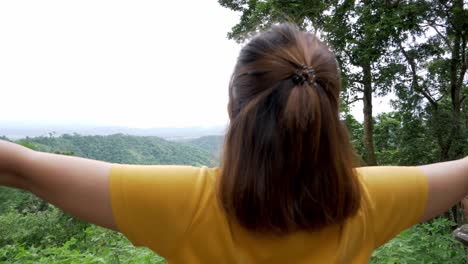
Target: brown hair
(287,162)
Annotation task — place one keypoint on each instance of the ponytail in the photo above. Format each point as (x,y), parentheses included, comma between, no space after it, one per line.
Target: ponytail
(287,162)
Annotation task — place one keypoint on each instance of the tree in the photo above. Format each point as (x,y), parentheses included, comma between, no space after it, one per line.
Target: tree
(431,38)
(357,31)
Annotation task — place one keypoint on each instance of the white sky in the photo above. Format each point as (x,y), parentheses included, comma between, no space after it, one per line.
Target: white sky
(122,63)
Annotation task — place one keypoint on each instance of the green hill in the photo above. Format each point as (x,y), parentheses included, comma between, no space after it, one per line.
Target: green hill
(212,144)
(128,149)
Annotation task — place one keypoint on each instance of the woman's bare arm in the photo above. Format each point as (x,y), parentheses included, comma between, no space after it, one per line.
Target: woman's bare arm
(78,186)
(448,184)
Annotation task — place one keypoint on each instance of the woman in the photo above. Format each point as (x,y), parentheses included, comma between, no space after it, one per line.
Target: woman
(286,192)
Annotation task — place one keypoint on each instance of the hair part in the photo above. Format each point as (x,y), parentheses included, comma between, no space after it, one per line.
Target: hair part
(287,162)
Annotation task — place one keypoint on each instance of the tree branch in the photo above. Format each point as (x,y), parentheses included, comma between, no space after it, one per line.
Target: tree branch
(350,57)
(448,12)
(415,76)
(355,80)
(463,63)
(440,98)
(442,36)
(354,100)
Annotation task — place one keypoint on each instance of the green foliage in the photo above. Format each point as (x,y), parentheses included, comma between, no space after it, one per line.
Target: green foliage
(403,141)
(40,229)
(67,253)
(53,237)
(212,144)
(355,130)
(430,243)
(259,15)
(10,198)
(124,149)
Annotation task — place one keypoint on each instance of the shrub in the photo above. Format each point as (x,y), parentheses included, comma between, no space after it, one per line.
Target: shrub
(430,242)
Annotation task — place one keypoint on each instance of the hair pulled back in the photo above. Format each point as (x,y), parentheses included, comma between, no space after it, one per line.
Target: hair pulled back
(287,162)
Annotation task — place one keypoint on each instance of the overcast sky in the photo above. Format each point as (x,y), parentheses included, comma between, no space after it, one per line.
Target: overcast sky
(122,63)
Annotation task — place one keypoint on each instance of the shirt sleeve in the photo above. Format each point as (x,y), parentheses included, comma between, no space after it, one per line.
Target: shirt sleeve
(398,197)
(153,205)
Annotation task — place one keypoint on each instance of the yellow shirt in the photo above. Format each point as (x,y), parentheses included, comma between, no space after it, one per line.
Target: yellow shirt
(173,210)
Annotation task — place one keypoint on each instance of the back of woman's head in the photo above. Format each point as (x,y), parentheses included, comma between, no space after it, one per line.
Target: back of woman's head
(287,162)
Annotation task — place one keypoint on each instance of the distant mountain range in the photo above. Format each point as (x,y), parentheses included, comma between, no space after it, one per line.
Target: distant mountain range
(17,131)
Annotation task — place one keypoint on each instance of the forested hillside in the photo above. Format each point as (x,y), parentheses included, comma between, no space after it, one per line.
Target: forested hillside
(212,144)
(121,148)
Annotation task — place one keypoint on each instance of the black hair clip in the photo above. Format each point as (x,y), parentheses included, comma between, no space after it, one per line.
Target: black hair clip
(298,79)
(304,74)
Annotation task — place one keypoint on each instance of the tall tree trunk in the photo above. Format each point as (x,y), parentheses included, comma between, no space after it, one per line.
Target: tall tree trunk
(453,145)
(457,72)
(368,121)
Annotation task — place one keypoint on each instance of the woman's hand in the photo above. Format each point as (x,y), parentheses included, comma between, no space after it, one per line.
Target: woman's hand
(78,186)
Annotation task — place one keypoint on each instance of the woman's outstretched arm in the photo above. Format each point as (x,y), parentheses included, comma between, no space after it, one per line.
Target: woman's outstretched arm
(76,185)
(448,184)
